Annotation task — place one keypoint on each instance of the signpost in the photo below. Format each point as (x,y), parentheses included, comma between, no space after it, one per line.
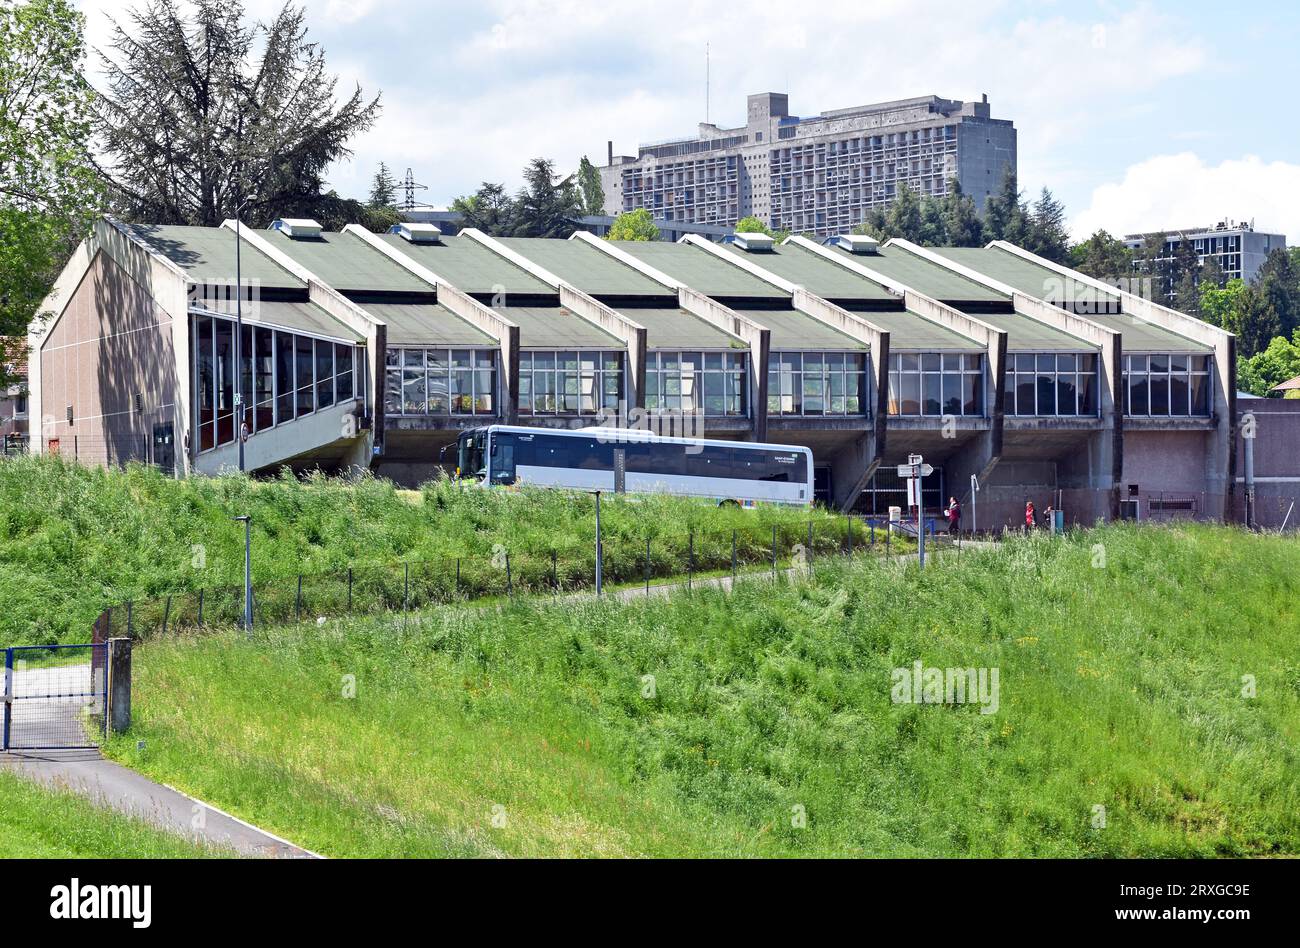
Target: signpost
(974,489)
(914,472)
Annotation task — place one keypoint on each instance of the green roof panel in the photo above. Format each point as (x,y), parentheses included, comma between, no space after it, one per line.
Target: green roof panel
(792,329)
(930,279)
(700,270)
(1028,277)
(348,263)
(817,275)
(469,266)
(585,267)
(910,331)
(302,316)
(674,328)
(427,324)
(1029,335)
(207,255)
(554,327)
(1141,336)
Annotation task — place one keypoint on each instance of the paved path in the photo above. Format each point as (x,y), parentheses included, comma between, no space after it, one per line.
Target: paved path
(109,784)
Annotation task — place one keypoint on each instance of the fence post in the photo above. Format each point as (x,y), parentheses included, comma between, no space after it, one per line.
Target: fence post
(406,589)
(349,589)
(297,601)
(774,551)
(130,620)
(9,690)
(167,611)
(809,551)
(690,560)
(733,556)
(555,572)
(458,576)
(119,685)
(200,608)
(510,583)
(647,565)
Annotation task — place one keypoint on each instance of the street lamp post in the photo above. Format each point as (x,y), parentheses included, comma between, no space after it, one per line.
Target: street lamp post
(239,338)
(247,521)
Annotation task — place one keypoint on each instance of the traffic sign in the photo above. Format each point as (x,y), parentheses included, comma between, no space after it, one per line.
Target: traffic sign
(914,470)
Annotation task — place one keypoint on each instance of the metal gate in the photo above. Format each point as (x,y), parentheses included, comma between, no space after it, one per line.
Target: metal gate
(55,696)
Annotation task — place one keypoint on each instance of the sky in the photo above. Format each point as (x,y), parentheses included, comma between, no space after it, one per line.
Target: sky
(1139,116)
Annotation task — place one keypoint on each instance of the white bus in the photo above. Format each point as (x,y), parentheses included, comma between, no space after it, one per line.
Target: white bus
(740,472)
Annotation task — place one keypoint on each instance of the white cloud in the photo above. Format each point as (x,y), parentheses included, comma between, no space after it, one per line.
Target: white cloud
(511,79)
(1181,190)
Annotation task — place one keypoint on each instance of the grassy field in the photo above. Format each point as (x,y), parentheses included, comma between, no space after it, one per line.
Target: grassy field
(1149,681)
(74,539)
(36,823)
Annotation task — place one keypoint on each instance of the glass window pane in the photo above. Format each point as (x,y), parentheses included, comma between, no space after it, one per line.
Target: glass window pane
(911,387)
(932,394)
(1178,394)
(973,383)
(952,393)
(1066,398)
(1159,394)
(305,372)
(1047,394)
(343,368)
(324,373)
(284,376)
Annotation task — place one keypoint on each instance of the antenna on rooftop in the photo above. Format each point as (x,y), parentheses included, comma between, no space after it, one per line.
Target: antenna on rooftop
(706,83)
(410,187)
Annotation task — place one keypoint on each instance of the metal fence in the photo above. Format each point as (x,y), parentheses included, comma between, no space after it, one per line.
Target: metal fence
(363,589)
(56,696)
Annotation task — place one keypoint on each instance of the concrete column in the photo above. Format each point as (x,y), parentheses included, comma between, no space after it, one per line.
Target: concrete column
(119,685)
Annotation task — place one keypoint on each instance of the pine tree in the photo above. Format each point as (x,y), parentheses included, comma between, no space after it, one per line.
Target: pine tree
(1005,212)
(383,189)
(204,113)
(590,188)
(961,220)
(903,218)
(1047,233)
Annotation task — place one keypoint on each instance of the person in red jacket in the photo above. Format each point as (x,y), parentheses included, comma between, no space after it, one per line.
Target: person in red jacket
(1029,516)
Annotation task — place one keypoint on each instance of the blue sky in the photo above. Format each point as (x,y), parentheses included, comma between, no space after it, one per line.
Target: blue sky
(1138,115)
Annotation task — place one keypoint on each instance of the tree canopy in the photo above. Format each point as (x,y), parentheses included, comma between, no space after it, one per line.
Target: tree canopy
(591,191)
(634,225)
(49,187)
(204,112)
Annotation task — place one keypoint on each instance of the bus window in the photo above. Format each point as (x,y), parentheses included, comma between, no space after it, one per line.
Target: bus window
(503,459)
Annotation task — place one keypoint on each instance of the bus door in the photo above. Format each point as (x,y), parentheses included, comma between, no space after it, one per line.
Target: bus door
(501,470)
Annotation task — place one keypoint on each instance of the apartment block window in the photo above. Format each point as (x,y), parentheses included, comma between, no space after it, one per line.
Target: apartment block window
(1051,383)
(572,382)
(1170,384)
(440,381)
(817,383)
(284,375)
(695,383)
(933,383)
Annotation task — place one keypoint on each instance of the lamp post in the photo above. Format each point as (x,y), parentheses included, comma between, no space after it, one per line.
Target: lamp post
(247,521)
(239,339)
(600,566)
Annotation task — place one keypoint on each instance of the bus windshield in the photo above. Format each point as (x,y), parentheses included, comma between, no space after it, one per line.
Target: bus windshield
(470,457)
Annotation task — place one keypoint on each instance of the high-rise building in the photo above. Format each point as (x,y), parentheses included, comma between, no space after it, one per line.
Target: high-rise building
(1239,248)
(818,175)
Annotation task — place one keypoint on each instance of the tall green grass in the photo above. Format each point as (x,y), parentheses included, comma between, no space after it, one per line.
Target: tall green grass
(533,729)
(74,540)
(36,823)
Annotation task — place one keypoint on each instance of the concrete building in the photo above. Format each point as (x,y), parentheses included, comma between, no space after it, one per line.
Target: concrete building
(364,350)
(1239,249)
(818,175)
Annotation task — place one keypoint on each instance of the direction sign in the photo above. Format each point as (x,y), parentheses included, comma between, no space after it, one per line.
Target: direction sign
(914,470)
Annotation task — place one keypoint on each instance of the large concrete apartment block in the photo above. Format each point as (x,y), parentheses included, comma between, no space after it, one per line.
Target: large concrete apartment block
(817,175)
(374,351)
(1239,249)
